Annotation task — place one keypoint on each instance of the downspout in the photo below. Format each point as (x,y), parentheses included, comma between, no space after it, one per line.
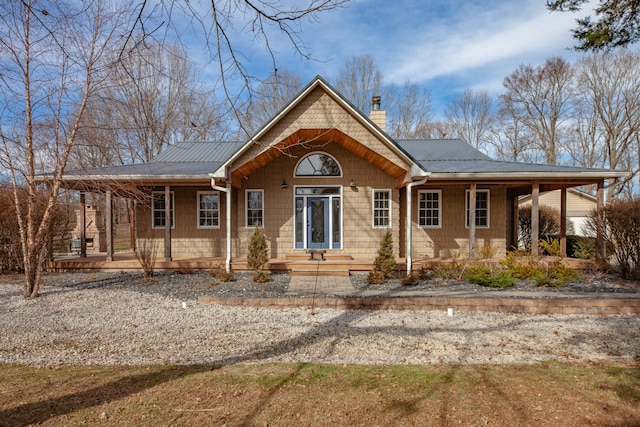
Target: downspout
(227,191)
(409,217)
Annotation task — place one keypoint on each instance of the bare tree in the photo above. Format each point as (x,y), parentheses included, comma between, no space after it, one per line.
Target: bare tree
(609,85)
(52,62)
(471,117)
(510,139)
(540,98)
(154,98)
(358,80)
(270,97)
(410,111)
(222,25)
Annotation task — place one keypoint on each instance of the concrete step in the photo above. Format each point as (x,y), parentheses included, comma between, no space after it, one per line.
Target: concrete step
(327,257)
(310,272)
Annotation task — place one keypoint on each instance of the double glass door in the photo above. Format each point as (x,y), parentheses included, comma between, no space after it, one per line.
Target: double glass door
(318,218)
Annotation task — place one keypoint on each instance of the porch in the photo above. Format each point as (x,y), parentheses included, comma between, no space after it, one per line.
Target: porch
(297,264)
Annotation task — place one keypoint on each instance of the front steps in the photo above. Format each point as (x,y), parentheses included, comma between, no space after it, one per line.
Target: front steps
(331,265)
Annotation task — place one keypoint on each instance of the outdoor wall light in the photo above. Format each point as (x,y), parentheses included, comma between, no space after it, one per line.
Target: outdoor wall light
(352,183)
(284,184)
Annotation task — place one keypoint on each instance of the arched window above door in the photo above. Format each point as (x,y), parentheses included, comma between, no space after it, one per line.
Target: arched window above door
(318,164)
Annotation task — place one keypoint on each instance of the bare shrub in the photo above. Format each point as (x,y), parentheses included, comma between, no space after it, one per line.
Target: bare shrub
(222,274)
(620,221)
(11,257)
(146,254)
(548,220)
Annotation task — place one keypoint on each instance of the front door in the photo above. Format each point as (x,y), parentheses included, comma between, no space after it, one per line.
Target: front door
(318,225)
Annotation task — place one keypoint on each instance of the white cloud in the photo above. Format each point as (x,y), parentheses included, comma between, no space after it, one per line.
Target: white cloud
(475,42)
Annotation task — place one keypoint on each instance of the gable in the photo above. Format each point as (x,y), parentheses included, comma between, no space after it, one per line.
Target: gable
(318,119)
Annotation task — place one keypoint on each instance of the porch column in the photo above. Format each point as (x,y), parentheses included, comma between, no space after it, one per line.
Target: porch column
(472,221)
(109,225)
(600,243)
(132,224)
(535,219)
(83,225)
(167,223)
(563,222)
(227,262)
(515,216)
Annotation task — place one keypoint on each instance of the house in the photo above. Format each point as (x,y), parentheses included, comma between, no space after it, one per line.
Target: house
(579,206)
(321,175)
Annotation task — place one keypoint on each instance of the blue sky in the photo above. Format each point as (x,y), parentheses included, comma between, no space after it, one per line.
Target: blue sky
(447,45)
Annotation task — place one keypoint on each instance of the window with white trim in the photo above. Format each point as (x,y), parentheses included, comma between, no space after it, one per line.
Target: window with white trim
(429,208)
(482,208)
(158,214)
(208,209)
(255,207)
(381,208)
(318,164)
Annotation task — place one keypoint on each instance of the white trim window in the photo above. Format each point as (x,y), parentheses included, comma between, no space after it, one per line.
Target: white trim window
(158,214)
(318,164)
(208,209)
(482,208)
(430,208)
(254,204)
(381,207)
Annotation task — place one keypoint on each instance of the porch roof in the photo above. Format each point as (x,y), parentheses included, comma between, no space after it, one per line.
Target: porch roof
(455,159)
(183,161)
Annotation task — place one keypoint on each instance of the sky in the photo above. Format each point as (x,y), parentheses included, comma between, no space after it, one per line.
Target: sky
(446,45)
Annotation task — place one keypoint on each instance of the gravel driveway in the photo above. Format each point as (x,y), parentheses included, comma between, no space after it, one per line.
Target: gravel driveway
(115,318)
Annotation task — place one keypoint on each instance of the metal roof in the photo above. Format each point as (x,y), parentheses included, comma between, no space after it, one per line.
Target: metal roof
(184,159)
(210,152)
(454,156)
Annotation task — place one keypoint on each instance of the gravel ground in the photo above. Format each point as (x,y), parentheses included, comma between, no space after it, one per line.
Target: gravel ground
(117,318)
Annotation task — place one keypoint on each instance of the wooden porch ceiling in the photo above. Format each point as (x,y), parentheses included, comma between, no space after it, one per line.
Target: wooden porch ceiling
(315,137)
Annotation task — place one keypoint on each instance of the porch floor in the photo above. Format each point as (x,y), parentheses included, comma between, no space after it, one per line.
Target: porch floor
(333,265)
(297,264)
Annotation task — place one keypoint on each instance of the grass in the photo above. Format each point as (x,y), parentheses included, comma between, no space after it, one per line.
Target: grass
(316,394)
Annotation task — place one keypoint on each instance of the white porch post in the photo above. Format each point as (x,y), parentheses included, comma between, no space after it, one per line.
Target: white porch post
(109,225)
(227,263)
(472,221)
(227,191)
(535,219)
(408,235)
(167,223)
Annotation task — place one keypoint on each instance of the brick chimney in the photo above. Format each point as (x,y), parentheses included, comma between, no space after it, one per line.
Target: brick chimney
(378,116)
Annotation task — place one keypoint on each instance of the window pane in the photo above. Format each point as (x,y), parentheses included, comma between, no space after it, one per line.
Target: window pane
(254,208)
(429,209)
(208,214)
(159,214)
(482,208)
(318,164)
(299,222)
(381,208)
(336,222)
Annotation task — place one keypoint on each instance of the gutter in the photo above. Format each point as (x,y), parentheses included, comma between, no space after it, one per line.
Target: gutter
(409,217)
(227,191)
